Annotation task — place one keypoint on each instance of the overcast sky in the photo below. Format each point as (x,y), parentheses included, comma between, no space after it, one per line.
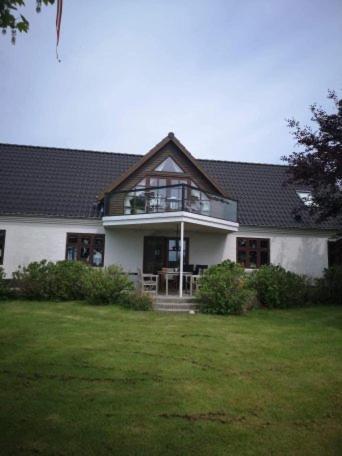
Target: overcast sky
(222,74)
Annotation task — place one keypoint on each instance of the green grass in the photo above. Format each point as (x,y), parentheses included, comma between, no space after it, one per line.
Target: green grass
(76,379)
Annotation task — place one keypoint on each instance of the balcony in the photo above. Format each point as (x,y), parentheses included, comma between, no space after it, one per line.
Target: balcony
(169,203)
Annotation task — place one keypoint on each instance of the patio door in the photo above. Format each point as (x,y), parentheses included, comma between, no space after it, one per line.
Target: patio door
(154,254)
(163,252)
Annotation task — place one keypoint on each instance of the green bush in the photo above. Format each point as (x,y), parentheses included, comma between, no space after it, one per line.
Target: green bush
(106,286)
(47,280)
(34,280)
(224,289)
(278,288)
(329,288)
(136,301)
(4,289)
(67,280)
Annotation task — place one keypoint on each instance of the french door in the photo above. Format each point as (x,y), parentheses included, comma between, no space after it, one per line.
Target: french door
(163,252)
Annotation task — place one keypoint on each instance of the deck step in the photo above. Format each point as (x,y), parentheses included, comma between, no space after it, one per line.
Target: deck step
(175,299)
(174,303)
(175,306)
(175,310)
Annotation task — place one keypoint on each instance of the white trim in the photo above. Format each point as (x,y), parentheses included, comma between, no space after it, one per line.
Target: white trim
(170,217)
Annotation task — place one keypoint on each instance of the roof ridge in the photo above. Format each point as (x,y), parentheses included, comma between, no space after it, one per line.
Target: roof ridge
(64,149)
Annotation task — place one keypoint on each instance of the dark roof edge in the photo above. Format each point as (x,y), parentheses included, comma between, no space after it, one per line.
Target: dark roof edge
(49,216)
(242,225)
(299,228)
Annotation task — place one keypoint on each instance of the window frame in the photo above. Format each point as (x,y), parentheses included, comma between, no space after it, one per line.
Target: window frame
(92,237)
(258,249)
(2,248)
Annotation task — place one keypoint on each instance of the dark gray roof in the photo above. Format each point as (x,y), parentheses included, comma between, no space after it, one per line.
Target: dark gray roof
(264,196)
(65,183)
(56,182)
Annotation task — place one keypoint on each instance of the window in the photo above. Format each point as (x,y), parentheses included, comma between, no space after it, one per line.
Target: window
(253,253)
(173,252)
(169,166)
(306,197)
(85,247)
(2,245)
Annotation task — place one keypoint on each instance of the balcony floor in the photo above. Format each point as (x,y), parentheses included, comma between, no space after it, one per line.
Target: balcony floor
(198,222)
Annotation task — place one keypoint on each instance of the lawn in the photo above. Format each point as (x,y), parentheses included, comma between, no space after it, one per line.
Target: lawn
(83,380)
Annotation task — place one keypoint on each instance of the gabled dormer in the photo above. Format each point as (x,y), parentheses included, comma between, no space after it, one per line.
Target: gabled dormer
(167,179)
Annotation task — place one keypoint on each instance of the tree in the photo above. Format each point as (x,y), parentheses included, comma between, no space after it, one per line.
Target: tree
(319,166)
(10,20)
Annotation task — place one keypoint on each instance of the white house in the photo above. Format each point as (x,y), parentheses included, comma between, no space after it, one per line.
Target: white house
(142,212)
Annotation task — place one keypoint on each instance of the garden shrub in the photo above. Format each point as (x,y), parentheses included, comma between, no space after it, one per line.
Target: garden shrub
(329,288)
(278,288)
(34,280)
(224,289)
(47,280)
(66,282)
(136,301)
(106,286)
(4,289)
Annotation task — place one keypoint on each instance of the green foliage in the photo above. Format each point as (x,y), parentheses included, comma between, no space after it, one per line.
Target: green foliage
(74,280)
(278,288)
(66,281)
(4,291)
(329,288)
(34,280)
(136,301)
(106,286)
(47,280)
(224,289)
(318,165)
(9,19)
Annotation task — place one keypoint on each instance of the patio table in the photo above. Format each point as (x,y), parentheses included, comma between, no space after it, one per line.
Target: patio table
(167,275)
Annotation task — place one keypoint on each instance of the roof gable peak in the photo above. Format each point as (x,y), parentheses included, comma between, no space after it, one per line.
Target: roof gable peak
(170,138)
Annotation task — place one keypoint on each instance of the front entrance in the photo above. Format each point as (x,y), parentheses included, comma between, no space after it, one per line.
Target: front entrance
(163,252)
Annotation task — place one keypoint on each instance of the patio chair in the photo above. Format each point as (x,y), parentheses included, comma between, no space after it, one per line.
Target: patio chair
(149,282)
(199,269)
(194,283)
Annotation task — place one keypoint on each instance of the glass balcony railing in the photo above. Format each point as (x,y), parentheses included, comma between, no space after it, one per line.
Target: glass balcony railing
(172,198)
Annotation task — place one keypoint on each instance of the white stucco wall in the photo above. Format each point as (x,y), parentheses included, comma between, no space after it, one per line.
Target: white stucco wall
(300,252)
(126,247)
(29,239)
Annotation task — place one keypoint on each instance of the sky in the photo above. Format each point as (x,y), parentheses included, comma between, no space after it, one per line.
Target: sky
(223,75)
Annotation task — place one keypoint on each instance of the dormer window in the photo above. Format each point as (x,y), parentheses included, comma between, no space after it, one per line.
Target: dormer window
(169,166)
(305,196)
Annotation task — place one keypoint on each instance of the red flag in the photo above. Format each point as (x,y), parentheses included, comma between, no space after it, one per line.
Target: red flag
(58,21)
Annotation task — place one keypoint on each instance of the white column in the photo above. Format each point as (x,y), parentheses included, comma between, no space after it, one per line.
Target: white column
(181,260)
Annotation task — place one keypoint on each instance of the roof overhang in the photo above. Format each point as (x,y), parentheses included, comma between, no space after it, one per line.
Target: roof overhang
(202,222)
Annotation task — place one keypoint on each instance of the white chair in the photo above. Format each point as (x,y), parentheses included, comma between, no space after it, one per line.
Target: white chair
(194,283)
(149,283)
